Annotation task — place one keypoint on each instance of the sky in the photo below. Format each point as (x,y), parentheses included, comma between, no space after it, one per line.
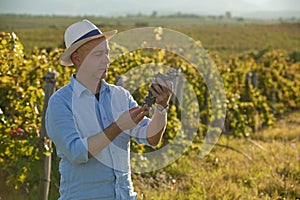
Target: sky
(124,7)
(256,2)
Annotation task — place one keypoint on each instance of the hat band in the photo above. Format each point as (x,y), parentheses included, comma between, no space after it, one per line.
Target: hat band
(89,34)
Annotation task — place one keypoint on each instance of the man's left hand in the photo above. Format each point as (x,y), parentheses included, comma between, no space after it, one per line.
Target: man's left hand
(162,91)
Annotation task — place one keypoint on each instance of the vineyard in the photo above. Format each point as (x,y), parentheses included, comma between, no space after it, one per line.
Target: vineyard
(261,86)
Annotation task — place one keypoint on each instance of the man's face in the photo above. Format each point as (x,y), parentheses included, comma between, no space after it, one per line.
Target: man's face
(94,63)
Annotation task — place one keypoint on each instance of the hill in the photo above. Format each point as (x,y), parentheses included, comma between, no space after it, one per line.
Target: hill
(225,35)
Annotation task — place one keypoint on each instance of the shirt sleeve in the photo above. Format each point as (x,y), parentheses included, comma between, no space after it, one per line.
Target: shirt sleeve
(62,131)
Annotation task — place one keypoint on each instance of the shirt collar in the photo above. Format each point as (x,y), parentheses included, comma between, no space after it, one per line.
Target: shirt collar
(80,89)
(104,86)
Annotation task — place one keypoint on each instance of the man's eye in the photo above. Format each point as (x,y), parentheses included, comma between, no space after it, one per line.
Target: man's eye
(102,53)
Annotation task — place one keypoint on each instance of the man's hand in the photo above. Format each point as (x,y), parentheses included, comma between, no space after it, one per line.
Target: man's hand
(162,92)
(130,118)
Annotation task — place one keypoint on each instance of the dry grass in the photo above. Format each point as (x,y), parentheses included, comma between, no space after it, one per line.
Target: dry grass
(271,171)
(267,168)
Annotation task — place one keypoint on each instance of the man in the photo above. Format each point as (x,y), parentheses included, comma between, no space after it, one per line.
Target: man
(91,122)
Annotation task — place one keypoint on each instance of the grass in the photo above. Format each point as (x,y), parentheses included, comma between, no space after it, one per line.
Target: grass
(263,167)
(270,170)
(226,36)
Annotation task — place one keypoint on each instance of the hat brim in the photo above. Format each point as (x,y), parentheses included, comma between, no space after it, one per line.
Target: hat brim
(65,58)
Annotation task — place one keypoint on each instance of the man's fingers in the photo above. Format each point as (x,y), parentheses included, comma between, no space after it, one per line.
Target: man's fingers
(155,90)
(141,116)
(137,114)
(164,90)
(161,82)
(169,85)
(165,86)
(135,111)
(144,113)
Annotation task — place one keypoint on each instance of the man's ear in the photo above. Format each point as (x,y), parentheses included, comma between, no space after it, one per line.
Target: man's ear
(75,58)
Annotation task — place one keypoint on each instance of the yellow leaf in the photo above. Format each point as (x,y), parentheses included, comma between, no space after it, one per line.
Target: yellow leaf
(4,42)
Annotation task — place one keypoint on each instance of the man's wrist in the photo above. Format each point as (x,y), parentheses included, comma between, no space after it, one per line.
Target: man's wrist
(112,131)
(162,109)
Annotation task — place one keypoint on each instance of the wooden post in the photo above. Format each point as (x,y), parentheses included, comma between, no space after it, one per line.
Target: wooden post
(254,80)
(45,142)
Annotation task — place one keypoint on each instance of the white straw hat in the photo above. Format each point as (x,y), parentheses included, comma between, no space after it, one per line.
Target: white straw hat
(79,33)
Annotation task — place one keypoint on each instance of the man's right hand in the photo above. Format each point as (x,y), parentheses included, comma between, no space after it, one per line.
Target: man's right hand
(130,118)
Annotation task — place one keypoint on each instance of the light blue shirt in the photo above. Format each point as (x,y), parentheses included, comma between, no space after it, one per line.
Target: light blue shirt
(72,116)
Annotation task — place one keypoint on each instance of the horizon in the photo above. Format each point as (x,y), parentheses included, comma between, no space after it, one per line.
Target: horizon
(118,8)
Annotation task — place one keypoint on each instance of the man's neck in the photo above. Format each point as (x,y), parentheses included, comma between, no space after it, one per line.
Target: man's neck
(99,85)
(97,95)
